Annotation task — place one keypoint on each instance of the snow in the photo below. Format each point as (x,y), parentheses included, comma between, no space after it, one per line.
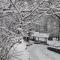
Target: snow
(33,52)
(53,43)
(40,52)
(43,35)
(19,52)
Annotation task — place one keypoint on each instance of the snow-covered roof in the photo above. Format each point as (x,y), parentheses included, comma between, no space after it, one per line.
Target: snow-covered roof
(43,35)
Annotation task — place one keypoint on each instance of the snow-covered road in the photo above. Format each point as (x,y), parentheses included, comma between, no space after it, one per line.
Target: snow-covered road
(33,52)
(40,52)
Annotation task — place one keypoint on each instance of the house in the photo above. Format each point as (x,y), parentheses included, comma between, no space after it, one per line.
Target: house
(40,36)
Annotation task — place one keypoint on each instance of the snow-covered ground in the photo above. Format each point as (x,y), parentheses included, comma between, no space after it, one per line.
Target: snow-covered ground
(33,52)
(19,52)
(40,52)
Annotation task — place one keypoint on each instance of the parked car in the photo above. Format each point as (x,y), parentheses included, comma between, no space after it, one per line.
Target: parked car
(54,45)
